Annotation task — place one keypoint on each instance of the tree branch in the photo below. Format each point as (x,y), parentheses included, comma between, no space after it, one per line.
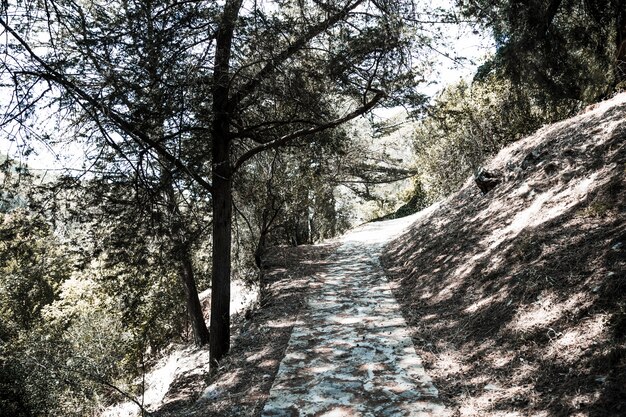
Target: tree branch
(291,50)
(117,119)
(309,131)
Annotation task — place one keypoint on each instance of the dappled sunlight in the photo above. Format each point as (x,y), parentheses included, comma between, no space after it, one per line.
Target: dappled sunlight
(242,296)
(478,402)
(282,323)
(483,380)
(241,382)
(188,362)
(447,292)
(469,265)
(544,208)
(578,401)
(320,369)
(257,356)
(484,302)
(501,360)
(225,384)
(571,342)
(449,362)
(426,295)
(514,296)
(351,350)
(544,311)
(511,308)
(523,219)
(340,412)
(269,363)
(409,361)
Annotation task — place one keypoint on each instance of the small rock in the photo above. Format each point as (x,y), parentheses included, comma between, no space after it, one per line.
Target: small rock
(492,387)
(531,159)
(487,180)
(211,393)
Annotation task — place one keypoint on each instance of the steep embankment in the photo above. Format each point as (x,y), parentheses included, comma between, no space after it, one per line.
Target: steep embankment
(517,297)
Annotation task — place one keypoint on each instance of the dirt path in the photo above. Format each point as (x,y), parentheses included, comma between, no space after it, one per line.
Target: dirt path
(350,354)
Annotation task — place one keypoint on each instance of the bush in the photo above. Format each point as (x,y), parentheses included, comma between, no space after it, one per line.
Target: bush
(469,123)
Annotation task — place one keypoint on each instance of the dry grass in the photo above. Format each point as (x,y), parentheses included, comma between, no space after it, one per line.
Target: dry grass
(516,298)
(241,384)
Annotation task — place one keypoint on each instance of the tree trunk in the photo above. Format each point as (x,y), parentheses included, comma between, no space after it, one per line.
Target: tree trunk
(220,289)
(620,43)
(182,249)
(222,193)
(194,308)
(259,253)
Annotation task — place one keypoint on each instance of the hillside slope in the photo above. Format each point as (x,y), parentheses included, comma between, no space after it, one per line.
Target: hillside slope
(517,297)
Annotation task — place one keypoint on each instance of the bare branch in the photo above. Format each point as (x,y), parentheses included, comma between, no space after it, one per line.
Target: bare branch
(310,131)
(50,74)
(291,50)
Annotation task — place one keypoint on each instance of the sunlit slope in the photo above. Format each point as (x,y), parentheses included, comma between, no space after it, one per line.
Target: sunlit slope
(518,296)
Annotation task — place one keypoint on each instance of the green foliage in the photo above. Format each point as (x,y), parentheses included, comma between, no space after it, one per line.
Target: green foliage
(32,267)
(81,308)
(415,199)
(418,200)
(559,51)
(129,249)
(288,197)
(466,125)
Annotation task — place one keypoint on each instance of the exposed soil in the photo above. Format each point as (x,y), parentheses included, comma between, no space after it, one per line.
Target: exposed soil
(516,298)
(351,353)
(241,385)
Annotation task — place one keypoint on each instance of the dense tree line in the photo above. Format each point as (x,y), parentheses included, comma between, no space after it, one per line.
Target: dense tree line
(208,130)
(551,59)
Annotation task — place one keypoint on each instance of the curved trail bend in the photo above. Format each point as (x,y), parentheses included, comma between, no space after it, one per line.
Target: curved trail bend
(350,354)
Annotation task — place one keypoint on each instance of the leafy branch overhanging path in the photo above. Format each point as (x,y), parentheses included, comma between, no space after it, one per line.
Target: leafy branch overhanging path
(350,354)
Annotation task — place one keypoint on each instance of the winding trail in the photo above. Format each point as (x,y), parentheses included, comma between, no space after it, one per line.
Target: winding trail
(351,353)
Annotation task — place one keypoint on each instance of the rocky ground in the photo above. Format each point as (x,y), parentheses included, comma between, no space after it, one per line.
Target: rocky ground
(350,353)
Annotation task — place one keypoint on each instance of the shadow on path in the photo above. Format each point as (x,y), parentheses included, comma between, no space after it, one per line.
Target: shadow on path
(350,353)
